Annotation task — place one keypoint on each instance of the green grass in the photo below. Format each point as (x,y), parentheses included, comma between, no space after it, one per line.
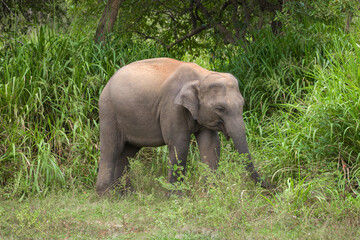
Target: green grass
(227,209)
(49,92)
(302,119)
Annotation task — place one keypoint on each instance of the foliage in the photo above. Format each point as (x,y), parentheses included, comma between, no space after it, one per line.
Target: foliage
(50,128)
(18,16)
(49,119)
(195,24)
(301,87)
(226,210)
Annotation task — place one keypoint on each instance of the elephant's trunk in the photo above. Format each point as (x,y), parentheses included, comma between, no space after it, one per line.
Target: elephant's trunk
(236,131)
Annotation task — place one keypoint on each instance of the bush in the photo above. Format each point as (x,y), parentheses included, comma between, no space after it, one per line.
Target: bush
(49,92)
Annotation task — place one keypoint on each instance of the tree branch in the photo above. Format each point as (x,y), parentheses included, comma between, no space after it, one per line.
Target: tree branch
(271,7)
(192,14)
(235,18)
(222,9)
(149,37)
(133,24)
(227,34)
(190,34)
(203,9)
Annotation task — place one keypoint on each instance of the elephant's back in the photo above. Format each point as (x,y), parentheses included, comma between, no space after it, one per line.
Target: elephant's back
(150,71)
(162,68)
(146,77)
(141,79)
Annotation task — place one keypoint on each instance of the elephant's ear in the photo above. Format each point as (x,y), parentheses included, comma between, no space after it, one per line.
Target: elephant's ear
(188,97)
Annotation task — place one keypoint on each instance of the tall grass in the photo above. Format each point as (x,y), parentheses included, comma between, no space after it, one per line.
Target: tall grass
(271,68)
(315,134)
(302,110)
(49,89)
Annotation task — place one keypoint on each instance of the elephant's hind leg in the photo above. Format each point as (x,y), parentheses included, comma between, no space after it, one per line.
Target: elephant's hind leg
(123,162)
(111,147)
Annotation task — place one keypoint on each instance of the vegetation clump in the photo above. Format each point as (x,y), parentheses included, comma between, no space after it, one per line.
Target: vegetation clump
(298,69)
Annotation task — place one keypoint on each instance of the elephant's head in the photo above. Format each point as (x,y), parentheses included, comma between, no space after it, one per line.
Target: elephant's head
(216,103)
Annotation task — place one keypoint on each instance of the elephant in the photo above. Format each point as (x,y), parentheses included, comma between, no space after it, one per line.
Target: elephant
(162,101)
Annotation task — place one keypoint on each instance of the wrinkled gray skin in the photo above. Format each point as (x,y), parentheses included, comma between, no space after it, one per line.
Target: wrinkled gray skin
(161,101)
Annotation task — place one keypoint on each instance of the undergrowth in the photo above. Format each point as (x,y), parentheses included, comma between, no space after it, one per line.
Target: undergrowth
(49,91)
(302,111)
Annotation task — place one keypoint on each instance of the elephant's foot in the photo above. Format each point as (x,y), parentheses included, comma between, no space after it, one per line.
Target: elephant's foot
(177,193)
(119,187)
(267,185)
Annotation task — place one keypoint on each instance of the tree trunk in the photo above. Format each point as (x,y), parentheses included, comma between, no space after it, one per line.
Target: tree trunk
(107,20)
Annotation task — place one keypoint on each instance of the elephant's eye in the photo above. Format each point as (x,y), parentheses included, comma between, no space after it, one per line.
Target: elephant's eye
(220,110)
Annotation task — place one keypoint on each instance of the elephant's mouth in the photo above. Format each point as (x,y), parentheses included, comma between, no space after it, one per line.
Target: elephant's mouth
(221,128)
(225,134)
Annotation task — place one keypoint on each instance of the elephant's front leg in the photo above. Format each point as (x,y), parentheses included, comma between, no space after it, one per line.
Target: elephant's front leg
(209,146)
(178,150)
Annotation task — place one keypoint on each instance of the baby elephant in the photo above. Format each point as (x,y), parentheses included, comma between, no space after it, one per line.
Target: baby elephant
(161,101)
